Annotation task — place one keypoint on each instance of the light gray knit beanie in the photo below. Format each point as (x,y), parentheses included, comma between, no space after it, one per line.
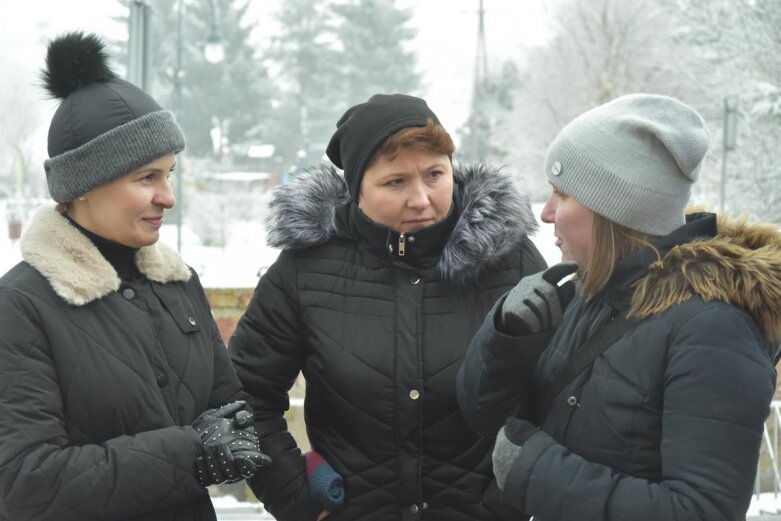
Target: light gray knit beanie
(632,160)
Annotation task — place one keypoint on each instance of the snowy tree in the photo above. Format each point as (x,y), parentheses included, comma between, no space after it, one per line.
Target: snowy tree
(376,58)
(307,59)
(734,49)
(485,133)
(599,50)
(21,118)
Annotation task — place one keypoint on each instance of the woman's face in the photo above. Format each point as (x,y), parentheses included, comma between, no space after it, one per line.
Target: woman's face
(130,209)
(412,191)
(572,224)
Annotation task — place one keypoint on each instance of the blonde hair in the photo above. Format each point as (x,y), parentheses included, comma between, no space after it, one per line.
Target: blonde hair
(611,242)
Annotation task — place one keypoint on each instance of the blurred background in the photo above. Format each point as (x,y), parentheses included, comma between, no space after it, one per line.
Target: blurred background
(258,86)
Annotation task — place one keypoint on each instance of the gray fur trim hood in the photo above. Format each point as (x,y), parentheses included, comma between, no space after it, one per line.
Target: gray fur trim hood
(495,217)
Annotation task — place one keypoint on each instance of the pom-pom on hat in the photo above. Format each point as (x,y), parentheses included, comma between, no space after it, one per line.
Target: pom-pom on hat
(632,160)
(364,128)
(105,127)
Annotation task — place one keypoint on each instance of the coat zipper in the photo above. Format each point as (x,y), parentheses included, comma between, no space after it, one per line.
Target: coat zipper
(402,243)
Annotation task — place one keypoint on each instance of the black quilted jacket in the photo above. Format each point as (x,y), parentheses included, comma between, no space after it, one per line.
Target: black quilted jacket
(100,380)
(379,339)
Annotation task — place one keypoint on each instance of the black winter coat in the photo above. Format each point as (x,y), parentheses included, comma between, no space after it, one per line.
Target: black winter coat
(379,339)
(100,380)
(668,422)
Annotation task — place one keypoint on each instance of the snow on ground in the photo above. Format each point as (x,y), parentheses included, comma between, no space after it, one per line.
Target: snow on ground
(765,503)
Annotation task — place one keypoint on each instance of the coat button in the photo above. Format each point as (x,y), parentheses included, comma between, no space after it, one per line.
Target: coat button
(424,505)
(128,293)
(414,509)
(414,280)
(556,168)
(410,238)
(572,401)
(192,321)
(162,380)
(414,394)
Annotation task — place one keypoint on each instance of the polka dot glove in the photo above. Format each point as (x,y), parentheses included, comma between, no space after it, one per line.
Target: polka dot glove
(230,446)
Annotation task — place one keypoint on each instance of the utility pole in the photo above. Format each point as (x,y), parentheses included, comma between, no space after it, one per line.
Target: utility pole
(480,118)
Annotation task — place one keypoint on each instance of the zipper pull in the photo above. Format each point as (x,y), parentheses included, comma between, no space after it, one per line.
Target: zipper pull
(402,243)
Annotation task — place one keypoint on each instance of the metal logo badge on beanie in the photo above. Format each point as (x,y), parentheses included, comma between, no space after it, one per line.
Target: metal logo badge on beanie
(632,160)
(366,126)
(105,127)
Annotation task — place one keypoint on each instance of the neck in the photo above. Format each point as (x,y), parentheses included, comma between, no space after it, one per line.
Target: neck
(122,258)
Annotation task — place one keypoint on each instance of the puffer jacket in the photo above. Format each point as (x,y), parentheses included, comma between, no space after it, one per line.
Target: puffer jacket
(379,338)
(668,422)
(100,380)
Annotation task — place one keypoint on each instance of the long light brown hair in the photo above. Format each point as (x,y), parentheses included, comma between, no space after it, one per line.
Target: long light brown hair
(611,242)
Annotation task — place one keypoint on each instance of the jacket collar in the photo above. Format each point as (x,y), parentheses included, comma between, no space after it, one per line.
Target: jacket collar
(492,217)
(420,249)
(715,258)
(75,268)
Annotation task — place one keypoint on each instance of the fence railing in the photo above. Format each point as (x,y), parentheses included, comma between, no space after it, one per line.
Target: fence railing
(769,465)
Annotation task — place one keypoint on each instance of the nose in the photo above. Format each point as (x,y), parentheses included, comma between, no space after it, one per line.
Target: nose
(164,196)
(548,214)
(418,198)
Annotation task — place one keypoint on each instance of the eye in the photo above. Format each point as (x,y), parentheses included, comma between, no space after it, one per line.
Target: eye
(394,182)
(435,174)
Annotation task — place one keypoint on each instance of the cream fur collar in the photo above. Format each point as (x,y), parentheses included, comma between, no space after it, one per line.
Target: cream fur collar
(75,268)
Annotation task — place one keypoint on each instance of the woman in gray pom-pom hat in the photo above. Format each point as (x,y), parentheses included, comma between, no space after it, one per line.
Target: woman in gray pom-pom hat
(117,398)
(645,399)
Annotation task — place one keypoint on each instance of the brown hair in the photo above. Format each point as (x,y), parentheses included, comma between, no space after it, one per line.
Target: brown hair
(433,138)
(610,243)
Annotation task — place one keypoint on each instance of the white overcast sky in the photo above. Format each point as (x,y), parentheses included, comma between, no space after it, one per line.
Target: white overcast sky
(446,41)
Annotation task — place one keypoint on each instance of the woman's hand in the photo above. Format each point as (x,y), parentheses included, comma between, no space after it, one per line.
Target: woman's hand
(537,302)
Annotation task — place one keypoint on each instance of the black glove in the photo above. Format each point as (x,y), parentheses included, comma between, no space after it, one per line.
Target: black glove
(537,302)
(230,445)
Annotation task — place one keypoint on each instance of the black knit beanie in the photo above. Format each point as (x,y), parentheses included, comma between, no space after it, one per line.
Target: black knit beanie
(366,126)
(104,127)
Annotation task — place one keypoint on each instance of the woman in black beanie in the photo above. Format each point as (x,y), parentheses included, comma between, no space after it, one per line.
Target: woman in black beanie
(117,397)
(385,275)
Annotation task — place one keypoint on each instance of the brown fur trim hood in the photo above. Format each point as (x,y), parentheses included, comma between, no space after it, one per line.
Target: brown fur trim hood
(741,266)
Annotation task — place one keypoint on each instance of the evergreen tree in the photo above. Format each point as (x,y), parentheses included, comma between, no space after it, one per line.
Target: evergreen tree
(304,52)
(375,37)
(232,95)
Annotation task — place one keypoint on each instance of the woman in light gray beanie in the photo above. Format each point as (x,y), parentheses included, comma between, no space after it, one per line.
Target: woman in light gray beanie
(641,392)
(117,398)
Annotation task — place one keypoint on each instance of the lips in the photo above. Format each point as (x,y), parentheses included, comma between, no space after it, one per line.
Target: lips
(154,221)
